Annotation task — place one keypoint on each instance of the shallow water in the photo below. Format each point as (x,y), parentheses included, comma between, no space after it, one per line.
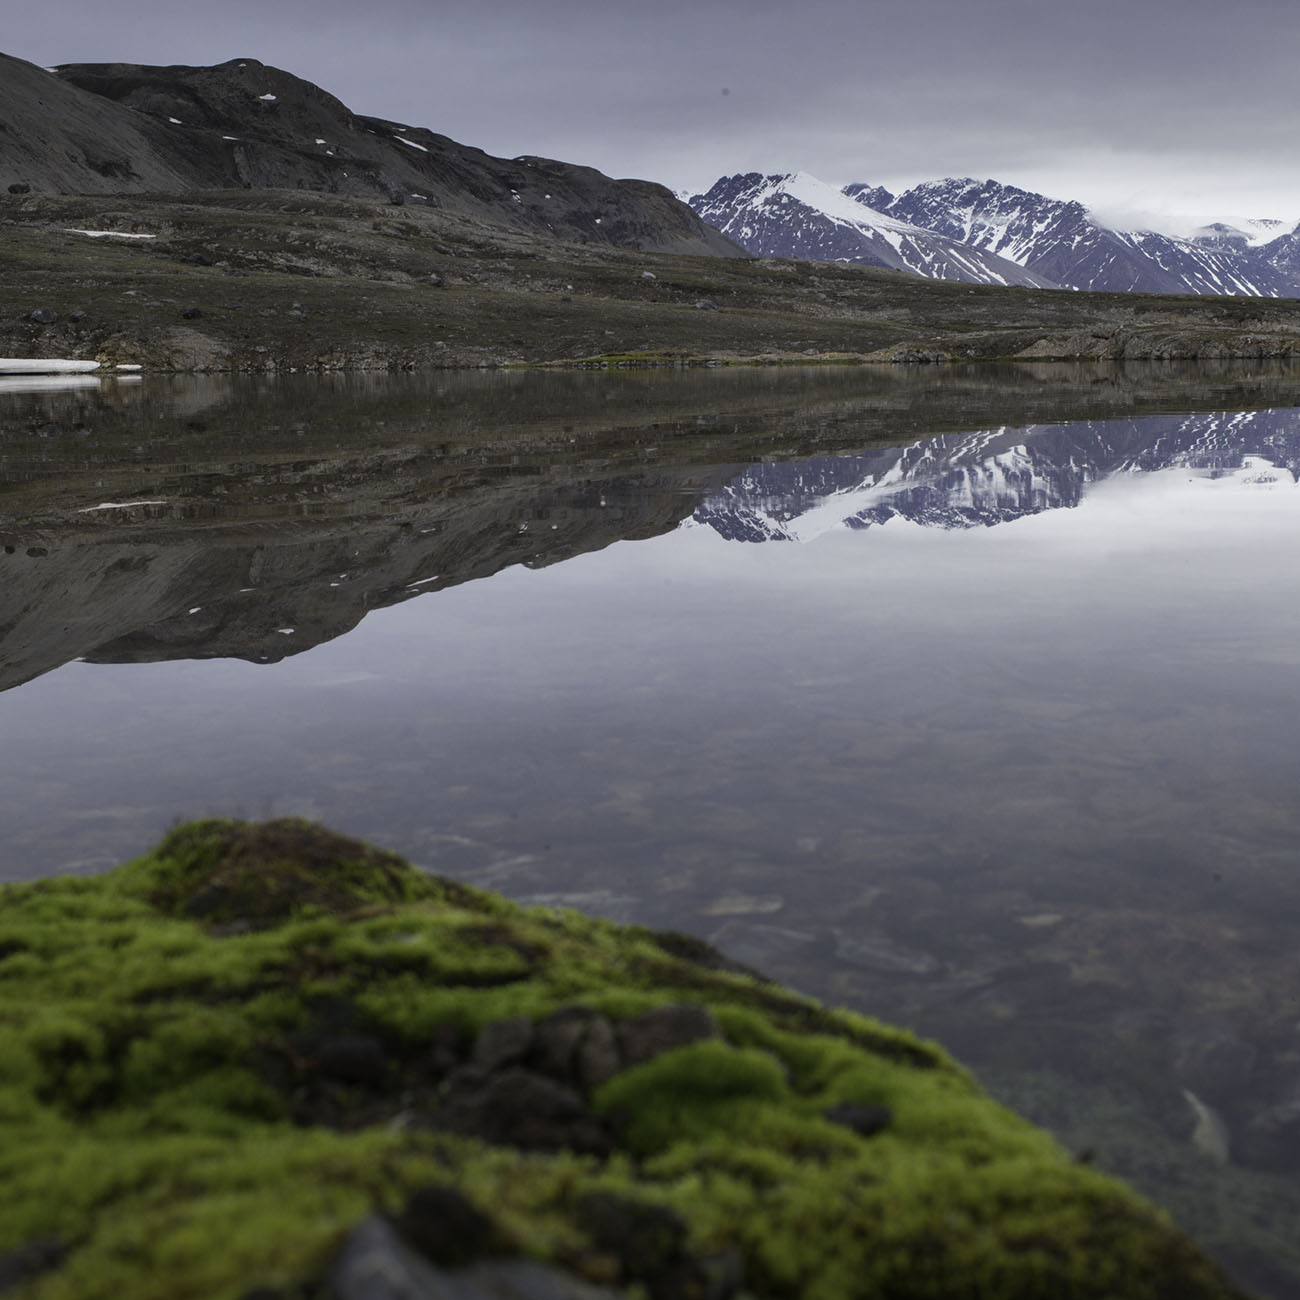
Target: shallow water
(968,699)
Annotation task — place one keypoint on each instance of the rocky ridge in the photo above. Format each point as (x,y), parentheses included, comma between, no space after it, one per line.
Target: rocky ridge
(117,128)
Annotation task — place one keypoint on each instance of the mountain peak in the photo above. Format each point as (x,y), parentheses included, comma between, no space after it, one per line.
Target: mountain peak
(797,215)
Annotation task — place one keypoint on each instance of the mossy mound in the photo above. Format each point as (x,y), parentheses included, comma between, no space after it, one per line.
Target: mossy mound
(219,1059)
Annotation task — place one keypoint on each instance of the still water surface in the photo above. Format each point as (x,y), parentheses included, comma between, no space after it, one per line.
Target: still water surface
(984,724)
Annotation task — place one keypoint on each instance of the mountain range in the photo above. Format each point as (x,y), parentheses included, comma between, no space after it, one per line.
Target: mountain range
(128,129)
(985,232)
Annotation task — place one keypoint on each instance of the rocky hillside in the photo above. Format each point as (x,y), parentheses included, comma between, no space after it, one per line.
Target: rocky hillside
(119,128)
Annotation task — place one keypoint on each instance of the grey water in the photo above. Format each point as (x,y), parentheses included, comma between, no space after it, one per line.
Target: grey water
(967,698)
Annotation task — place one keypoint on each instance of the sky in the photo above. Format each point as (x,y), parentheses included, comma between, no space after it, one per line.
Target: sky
(1173,110)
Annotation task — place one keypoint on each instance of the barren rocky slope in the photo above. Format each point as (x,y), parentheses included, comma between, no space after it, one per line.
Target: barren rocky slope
(118,128)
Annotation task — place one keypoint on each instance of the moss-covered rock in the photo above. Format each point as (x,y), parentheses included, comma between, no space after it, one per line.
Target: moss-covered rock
(220,1058)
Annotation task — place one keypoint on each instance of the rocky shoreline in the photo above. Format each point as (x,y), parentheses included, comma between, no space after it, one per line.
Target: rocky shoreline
(288,281)
(267,1061)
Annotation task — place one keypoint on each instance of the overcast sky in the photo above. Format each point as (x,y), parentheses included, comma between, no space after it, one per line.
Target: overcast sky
(1179,107)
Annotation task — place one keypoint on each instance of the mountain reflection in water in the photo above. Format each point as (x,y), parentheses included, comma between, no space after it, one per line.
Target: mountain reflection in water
(998,742)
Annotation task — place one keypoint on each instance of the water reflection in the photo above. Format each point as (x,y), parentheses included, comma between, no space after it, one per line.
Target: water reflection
(997,741)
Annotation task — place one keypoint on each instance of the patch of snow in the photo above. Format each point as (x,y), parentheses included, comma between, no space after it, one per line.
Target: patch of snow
(230,137)
(267,99)
(128,365)
(44,366)
(107,234)
(412,143)
(176,121)
(285,631)
(119,505)
(320,141)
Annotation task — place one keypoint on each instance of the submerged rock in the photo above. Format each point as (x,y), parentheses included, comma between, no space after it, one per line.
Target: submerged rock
(270,1060)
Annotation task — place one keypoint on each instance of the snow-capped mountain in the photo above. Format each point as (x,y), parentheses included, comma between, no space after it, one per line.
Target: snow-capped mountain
(1060,241)
(995,476)
(797,215)
(1238,234)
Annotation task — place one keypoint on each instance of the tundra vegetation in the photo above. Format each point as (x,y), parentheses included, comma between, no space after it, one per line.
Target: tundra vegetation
(221,1058)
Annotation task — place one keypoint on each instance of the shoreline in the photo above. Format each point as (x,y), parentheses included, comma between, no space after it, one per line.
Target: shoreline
(272,282)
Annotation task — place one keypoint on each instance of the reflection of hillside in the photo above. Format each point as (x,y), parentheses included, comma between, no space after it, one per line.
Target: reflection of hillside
(303,504)
(986,478)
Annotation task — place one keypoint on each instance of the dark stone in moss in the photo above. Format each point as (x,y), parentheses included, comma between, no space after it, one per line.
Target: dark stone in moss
(352,1058)
(649,1242)
(374,1263)
(503,1043)
(520,1108)
(642,1038)
(30,1261)
(598,1059)
(866,1121)
(446,1048)
(555,1043)
(447,1228)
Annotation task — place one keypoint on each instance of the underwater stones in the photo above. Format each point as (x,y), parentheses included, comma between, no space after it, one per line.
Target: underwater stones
(1271,1139)
(882,955)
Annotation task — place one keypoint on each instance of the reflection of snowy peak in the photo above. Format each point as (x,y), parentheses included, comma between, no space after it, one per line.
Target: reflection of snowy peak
(994,476)
(800,216)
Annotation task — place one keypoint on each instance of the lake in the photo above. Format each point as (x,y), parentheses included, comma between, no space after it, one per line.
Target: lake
(965,697)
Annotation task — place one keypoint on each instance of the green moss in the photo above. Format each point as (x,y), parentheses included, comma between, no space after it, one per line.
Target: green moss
(160,1027)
